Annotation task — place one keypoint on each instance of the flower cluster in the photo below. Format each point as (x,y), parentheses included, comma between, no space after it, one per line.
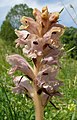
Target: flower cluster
(42,45)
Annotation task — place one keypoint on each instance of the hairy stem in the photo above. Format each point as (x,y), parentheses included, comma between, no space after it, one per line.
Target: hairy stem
(38,106)
(39,110)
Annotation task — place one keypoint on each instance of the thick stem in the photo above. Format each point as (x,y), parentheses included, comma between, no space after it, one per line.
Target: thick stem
(39,110)
(39,113)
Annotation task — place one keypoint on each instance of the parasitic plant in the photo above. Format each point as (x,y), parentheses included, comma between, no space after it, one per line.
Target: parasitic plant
(42,45)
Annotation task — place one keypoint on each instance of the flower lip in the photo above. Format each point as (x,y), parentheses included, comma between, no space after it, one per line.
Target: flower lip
(22,27)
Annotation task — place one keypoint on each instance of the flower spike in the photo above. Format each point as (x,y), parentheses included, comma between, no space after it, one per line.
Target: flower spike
(39,39)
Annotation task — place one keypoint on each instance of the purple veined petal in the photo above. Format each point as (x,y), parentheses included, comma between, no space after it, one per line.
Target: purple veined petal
(19,63)
(23,86)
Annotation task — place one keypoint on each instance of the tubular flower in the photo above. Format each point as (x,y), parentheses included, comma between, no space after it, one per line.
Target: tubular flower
(43,46)
(23,85)
(19,63)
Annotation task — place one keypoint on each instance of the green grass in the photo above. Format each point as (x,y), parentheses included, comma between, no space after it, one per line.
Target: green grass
(18,107)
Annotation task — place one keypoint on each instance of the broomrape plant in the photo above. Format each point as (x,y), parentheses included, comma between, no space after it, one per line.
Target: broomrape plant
(41,44)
